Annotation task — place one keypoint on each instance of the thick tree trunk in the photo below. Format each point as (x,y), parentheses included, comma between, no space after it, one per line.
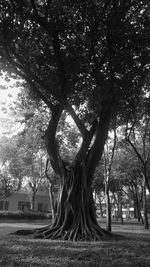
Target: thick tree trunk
(76,217)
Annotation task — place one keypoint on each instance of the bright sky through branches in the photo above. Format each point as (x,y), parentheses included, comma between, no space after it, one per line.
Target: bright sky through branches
(8,94)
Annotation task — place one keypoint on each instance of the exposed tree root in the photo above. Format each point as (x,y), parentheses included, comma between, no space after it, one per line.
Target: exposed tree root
(92,233)
(76,218)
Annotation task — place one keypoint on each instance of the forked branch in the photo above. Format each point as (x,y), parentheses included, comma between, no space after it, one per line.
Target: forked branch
(76,119)
(86,143)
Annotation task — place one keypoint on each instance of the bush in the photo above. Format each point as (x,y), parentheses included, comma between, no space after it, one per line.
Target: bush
(15,215)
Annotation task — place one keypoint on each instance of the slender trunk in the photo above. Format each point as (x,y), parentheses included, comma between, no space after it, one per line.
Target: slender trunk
(146,224)
(108,205)
(51,198)
(101,208)
(33,201)
(117,212)
(120,207)
(108,212)
(128,212)
(138,213)
(137,208)
(121,215)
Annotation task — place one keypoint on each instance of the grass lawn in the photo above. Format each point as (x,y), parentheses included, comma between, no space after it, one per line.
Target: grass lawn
(133,251)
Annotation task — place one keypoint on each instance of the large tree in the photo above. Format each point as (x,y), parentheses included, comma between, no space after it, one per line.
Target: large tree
(90,59)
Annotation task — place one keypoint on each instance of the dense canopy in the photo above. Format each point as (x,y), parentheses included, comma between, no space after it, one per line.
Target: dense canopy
(77,51)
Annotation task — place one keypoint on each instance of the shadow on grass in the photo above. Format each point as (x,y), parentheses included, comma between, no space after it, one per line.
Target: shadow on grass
(25,251)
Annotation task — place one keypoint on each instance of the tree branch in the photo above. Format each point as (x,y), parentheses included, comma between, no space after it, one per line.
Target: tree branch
(76,119)
(46,170)
(38,93)
(113,151)
(97,148)
(86,143)
(30,78)
(135,149)
(31,83)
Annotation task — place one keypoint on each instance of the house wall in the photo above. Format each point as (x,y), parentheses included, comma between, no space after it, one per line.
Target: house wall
(21,201)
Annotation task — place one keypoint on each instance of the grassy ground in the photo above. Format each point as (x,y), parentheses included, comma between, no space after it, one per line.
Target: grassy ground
(133,251)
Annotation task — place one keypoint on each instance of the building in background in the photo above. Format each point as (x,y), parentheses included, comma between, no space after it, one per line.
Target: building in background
(20,201)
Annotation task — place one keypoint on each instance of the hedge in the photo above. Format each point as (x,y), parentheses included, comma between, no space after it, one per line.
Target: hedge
(13,215)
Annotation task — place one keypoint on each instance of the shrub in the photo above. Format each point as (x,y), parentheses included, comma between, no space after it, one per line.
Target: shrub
(15,215)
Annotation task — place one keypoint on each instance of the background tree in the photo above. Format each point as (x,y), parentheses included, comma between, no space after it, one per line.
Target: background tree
(109,152)
(126,176)
(8,184)
(9,181)
(138,138)
(75,58)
